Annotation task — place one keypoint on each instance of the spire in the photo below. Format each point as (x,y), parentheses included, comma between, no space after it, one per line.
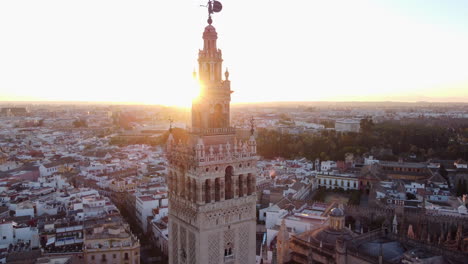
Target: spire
(169,142)
(200,148)
(170,139)
(194,74)
(226,74)
(252,126)
(411,232)
(283,243)
(210,58)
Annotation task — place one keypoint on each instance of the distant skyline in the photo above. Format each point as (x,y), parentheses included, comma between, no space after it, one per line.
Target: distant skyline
(303,50)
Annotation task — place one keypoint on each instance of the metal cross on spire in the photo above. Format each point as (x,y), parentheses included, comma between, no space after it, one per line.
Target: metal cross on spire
(213,7)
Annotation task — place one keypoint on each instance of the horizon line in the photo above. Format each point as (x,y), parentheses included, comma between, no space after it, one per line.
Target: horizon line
(84,102)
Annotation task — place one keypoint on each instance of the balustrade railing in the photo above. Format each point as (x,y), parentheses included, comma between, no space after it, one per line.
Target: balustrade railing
(213,131)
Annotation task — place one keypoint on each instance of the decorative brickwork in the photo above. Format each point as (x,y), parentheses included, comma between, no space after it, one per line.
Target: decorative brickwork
(191,249)
(175,247)
(213,248)
(183,245)
(244,245)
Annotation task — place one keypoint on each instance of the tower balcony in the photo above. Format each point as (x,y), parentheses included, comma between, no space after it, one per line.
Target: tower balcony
(181,157)
(213,131)
(231,157)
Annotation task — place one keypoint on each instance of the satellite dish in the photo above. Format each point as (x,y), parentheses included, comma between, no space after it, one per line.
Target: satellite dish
(217,6)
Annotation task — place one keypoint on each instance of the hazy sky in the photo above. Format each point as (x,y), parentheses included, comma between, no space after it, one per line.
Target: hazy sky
(145,51)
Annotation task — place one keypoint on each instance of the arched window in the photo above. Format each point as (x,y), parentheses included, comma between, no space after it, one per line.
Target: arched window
(217,117)
(182,186)
(188,190)
(194,190)
(250,184)
(207,191)
(228,186)
(228,250)
(217,190)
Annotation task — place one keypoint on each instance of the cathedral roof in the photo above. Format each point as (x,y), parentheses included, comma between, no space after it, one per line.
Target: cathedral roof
(328,236)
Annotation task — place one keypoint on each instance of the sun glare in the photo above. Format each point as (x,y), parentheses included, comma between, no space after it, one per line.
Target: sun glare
(181,96)
(195,90)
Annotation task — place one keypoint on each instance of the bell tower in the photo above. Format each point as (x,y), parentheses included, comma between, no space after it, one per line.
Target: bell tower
(212,109)
(211,177)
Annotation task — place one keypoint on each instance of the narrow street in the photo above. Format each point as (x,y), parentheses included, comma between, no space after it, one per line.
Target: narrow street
(149,253)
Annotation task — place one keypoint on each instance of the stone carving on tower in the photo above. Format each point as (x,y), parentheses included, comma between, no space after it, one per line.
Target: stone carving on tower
(212,176)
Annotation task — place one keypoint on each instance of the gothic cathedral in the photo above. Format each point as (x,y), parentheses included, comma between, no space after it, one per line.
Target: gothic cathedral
(211,178)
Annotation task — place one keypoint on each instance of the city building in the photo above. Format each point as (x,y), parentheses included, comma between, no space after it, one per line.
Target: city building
(121,185)
(335,243)
(144,206)
(110,242)
(160,234)
(333,180)
(328,165)
(347,125)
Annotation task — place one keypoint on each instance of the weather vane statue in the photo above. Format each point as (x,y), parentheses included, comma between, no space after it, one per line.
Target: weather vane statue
(213,7)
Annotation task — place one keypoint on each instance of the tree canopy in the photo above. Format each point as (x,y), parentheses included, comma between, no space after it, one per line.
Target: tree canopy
(419,140)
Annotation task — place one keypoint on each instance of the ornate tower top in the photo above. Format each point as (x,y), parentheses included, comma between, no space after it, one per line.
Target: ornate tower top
(211,111)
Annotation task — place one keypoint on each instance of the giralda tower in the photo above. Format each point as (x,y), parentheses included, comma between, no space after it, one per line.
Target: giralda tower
(211,177)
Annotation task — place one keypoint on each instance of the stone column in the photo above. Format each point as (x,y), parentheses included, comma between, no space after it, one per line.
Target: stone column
(221,187)
(212,189)
(201,190)
(244,185)
(187,190)
(235,185)
(193,195)
(250,184)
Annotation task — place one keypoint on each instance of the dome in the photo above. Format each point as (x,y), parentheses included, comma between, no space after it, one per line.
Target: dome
(210,28)
(210,33)
(336,212)
(328,236)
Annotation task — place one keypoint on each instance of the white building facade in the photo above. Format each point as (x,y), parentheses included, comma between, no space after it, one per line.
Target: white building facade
(332,180)
(144,207)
